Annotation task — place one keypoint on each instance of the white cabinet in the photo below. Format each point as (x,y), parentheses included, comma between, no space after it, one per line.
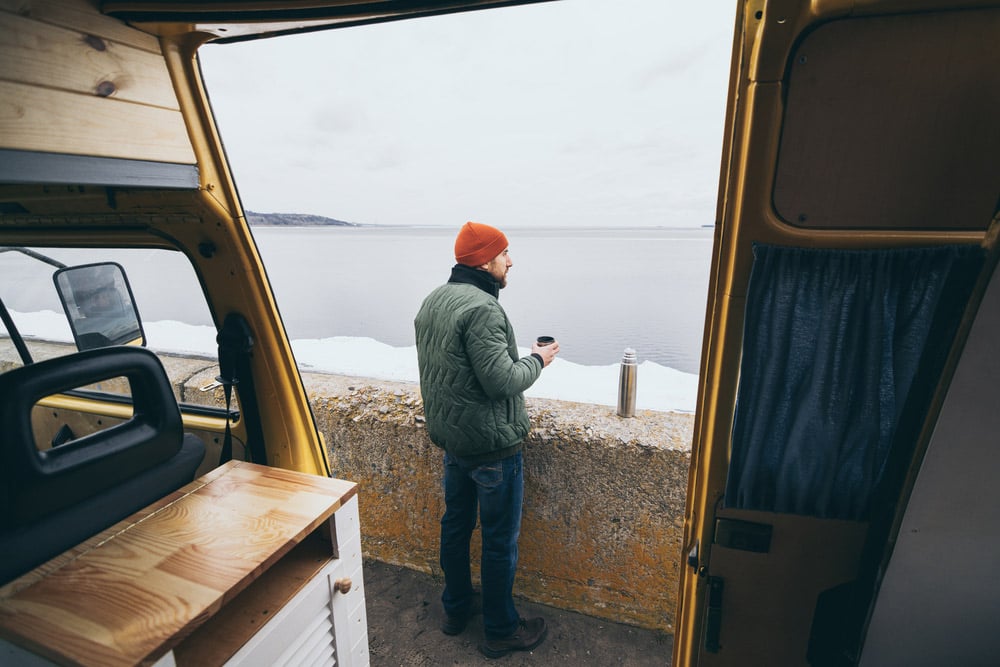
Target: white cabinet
(322,624)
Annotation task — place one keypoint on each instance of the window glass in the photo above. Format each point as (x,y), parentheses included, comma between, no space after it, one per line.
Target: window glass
(175,321)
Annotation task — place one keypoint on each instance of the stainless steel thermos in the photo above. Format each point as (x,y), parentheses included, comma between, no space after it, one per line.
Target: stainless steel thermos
(626,384)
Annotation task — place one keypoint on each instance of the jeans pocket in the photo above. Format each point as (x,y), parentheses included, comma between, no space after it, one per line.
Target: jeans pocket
(488,475)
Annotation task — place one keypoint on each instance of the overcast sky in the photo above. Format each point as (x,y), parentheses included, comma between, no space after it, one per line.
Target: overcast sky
(571,113)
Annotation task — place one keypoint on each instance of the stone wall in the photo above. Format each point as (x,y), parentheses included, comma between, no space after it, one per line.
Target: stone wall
(604,496)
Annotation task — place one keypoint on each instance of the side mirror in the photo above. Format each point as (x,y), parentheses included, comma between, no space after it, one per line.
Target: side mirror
(99,305)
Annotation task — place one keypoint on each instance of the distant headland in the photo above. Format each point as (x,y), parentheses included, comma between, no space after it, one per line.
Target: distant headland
(296,220)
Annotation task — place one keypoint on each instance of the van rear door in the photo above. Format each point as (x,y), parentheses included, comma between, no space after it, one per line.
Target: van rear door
(843,421)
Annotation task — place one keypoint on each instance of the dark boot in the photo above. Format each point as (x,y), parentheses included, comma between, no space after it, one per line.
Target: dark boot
(529,634)
(454,625)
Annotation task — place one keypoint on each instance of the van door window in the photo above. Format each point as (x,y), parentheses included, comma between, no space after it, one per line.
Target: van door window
(99,287)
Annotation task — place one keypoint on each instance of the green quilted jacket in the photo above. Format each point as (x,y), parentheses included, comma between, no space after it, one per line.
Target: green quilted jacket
(471,379)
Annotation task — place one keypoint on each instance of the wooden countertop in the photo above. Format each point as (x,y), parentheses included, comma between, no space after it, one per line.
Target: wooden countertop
(134,591)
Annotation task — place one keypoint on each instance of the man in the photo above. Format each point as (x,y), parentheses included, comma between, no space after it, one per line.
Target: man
(473,383)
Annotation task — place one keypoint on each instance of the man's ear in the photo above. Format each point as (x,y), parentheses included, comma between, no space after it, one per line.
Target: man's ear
(484,267)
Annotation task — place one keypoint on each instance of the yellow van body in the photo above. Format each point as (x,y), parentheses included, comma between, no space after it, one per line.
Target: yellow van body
(852,126)
(853,129)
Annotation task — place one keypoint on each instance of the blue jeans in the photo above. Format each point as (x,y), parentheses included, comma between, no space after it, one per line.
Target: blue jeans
(498,490)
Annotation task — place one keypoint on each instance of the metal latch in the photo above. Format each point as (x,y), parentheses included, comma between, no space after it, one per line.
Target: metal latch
(693,556)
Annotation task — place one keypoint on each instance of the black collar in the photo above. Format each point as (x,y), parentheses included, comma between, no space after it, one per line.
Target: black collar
(460,273)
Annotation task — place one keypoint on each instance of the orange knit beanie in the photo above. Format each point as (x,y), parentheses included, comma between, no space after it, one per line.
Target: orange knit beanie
(477,244)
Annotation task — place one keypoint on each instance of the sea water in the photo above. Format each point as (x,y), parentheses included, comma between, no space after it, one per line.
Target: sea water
(598,291)
(348,296)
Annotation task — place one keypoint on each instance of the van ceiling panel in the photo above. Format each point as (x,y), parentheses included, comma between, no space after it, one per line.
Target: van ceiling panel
(891,123)
(238,21)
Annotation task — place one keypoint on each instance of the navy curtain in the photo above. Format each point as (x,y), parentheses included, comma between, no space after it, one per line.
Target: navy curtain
(833,340)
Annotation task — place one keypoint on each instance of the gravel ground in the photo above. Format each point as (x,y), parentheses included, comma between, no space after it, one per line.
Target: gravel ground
(404,617)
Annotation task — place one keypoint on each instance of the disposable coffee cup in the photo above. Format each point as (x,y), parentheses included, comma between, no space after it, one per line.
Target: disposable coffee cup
(545,340)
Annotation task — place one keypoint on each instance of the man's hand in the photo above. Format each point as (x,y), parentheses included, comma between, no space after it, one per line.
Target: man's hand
(547,353)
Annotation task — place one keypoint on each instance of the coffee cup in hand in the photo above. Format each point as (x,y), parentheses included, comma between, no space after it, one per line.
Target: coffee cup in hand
(545,340)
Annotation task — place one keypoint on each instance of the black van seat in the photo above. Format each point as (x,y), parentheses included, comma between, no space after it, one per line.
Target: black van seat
(56,498)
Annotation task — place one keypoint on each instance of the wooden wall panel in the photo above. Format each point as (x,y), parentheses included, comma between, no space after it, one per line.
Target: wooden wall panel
(52,57)
(81,15)
(39,119)
(74,81)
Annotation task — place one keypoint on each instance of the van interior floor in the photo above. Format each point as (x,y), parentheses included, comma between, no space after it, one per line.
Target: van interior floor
(404,619)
